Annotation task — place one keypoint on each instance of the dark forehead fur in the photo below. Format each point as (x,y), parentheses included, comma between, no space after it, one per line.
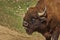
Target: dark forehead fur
(32,9)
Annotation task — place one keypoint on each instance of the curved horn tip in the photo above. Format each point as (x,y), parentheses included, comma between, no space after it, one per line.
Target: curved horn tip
(40,14)
(27,8)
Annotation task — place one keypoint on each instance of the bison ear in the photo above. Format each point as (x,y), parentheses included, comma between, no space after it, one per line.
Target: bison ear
(42,13)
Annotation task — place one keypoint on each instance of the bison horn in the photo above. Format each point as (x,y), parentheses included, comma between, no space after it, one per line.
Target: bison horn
(40,14)
(27,8)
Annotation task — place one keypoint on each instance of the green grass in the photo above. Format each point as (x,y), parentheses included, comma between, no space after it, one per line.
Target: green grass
(11,12)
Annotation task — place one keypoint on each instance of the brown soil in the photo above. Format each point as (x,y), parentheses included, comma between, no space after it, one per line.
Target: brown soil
(8,34)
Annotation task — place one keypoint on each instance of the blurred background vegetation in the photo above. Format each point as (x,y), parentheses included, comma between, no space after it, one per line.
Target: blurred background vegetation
(12,11)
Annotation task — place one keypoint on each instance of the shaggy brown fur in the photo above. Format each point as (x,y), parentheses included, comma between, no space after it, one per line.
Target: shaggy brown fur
(49,27)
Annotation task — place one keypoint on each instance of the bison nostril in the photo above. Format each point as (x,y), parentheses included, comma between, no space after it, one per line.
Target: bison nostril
(25,23)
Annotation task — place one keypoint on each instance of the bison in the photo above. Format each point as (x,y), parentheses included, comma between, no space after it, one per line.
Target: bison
(44,18)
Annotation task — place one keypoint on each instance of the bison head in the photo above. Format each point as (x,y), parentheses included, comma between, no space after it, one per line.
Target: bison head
(32,22)
(31,25)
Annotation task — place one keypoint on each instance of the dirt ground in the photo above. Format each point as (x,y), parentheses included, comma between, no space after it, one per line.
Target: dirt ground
(8,34)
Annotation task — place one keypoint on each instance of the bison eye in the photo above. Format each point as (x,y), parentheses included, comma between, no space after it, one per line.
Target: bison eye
(25,23)
(33,20)
(43,20)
